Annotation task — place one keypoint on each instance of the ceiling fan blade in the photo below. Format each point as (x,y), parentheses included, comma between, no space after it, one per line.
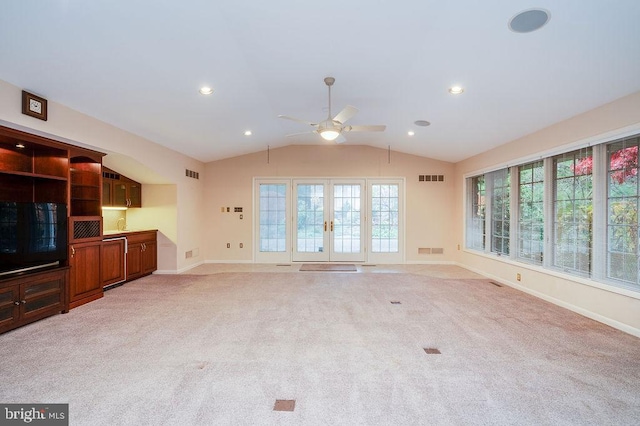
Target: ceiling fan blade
(301,133)
(346,113)
(286,117)
(369,128)
(340,139)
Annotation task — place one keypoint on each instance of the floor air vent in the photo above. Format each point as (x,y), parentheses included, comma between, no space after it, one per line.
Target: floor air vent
(284,405)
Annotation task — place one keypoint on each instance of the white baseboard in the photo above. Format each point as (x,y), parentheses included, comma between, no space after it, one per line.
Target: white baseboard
(430,262)
(177,271)
(229,261)
(577,309)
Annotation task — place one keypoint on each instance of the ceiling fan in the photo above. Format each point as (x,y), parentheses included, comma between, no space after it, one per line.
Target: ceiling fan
(333,129)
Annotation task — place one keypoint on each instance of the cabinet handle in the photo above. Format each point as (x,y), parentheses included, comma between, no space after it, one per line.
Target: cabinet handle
(73,251)
(144,246)
(24,302)
(17,303)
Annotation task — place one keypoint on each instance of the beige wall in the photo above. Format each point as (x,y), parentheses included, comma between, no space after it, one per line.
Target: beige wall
(135,157)
(187,211)
(229,183)
(602,302)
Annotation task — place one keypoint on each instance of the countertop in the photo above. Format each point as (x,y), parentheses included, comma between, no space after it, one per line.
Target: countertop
(116,234)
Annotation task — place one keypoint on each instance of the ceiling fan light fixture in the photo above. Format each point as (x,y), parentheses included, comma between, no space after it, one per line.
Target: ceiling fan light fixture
(329,134)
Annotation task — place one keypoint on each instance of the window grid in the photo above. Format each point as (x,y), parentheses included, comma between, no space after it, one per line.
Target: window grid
(384,217)
(531,212)
(273,217)
(347,213)
(622,211)
(500,211)
(573,211)
(310,235)
(476,232)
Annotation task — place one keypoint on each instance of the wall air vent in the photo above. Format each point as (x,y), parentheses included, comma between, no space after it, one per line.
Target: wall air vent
(430,178)
(430,250)
(191,174)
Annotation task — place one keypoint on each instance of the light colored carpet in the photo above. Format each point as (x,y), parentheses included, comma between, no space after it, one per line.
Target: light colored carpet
(220,349)
(328,267)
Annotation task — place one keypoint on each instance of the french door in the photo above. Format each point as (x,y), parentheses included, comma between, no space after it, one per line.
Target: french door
(322,220)
(329,220)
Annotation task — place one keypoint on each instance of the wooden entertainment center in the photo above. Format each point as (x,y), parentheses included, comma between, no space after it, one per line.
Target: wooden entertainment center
(35,169)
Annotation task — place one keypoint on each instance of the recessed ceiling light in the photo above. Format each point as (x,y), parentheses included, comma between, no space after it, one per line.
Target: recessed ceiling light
(422,123)
(247,133)
(411,133)
(529,20)
(205,90)
(456,90)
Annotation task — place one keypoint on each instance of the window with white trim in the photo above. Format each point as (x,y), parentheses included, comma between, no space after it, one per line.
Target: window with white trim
(476,227)
(622,211)
(273,220)
(573,211)
(531,212)
(500,188)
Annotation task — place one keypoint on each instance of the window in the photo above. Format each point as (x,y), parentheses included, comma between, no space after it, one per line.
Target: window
(500,210)
(476,215)
(573,211)
(576,212)
(531,212)
(490,212)
(622,211)
(273,232)
(385,218)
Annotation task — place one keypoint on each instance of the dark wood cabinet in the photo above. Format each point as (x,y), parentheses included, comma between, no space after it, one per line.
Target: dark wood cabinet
(86,283)
(32,171)
(35,169)
(142,254)
(112,256)
(31,297)
(119,190)
(86,177)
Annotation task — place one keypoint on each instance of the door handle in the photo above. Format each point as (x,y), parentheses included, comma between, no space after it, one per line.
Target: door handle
(331,226)
(325,226)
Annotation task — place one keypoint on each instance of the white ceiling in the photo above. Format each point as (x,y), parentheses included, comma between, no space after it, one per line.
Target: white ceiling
(139,64)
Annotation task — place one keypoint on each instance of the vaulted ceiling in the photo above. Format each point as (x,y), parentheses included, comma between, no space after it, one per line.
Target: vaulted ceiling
(138,65)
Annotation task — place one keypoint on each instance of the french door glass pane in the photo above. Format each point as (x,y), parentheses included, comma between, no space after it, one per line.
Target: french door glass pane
(346,213)
(384,218)
(273,220)
(310,226)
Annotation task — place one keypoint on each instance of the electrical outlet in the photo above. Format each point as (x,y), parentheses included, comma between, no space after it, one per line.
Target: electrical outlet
(228,245)
(518,277)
